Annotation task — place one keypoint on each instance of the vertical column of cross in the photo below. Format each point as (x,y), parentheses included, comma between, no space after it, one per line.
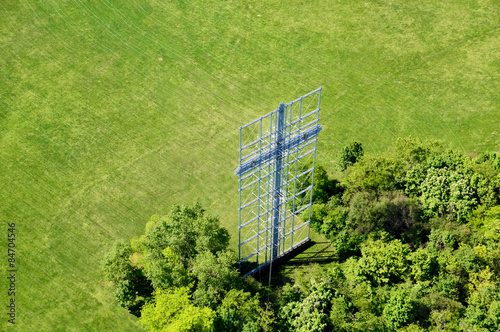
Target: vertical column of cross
(314,166)
(239,211)
(280,124)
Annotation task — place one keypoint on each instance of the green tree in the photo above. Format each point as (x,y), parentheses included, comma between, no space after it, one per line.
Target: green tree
(132,294)
(132,288)
(366,213)
(384,262)
(185,247)
(116,263)
(191,231)
(215,276)
(172,310)
(312,313)
(390,211)
(424,266)
(347,244)
(340,313)
(487,222)
(374,174)
(318,213)
(489,157)
(436,159)
(445,191)
(484,302)
(399,310)
(172,242)
(238,311)
(412,151)
(441,240)
(335,221)
(324,187)
(349,155)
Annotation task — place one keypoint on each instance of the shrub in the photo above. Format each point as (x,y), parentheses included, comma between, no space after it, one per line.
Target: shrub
(349,155)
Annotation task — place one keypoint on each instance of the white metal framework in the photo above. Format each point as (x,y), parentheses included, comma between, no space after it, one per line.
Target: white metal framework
(276,176)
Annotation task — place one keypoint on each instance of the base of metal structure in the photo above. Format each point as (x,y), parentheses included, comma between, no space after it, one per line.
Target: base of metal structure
(288,254)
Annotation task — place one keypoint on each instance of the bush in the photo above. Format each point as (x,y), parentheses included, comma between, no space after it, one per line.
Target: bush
(116,263)
(349,155)
(399,310)
(374,174)
(384,262)
(172,310)
(424,266)
(238,312)
(447,192)
(310,314)
(346,245)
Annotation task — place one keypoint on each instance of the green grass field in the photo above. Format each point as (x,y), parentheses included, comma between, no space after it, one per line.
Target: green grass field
(97,134)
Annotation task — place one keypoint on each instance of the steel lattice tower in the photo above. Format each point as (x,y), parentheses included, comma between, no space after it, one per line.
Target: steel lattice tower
(276,178)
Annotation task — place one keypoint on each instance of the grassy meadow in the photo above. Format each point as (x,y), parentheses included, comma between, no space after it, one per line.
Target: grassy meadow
(112,111)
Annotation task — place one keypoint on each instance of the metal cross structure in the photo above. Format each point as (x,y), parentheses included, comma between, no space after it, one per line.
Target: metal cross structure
(276,177)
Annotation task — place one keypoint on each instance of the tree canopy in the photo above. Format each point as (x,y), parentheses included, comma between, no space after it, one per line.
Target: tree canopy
(416,233)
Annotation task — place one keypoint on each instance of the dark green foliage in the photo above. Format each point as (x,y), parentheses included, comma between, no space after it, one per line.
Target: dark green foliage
(402,214)
(116,263)
(133,294)
(125,294)
(448,285)
(349,155)
(346,245)
(399,310)
(238,312)
(441,240)
(366,213)
(132,288)
(390,211)
(215,276)
(424,266)
(374,174)
(468,259)
(324,187)
(310,314)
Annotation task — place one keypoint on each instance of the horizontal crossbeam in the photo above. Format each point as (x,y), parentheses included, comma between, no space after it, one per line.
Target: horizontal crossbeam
(267,155)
